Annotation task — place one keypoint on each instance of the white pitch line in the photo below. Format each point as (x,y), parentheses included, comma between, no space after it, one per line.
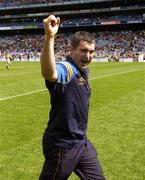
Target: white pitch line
(113,74)
(25,94)
(6,75)
(99,77)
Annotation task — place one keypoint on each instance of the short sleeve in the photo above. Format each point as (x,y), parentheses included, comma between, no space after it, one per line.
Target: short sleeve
(65,72)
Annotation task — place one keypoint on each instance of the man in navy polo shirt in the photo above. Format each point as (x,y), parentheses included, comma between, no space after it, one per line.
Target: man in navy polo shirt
(65,145)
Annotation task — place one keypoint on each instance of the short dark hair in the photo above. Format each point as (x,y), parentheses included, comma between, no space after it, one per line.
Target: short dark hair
(82,36)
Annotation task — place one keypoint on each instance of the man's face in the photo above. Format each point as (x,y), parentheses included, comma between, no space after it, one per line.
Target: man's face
(82,55)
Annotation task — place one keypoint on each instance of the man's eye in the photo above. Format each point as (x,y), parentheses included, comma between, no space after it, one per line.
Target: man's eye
(91,52)
(84,50)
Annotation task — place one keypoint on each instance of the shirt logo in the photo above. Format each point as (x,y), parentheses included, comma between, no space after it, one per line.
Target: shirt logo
(81,81)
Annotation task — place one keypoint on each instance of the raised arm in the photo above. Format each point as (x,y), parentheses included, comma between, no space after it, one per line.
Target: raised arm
(47,58)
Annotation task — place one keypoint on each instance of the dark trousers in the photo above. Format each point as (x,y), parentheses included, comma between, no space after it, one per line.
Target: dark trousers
(61,162)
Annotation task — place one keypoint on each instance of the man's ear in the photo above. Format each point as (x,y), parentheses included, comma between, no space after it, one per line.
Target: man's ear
(71,49)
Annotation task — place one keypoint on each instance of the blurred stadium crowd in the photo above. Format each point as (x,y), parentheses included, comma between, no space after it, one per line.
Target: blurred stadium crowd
(108,43)
(113,44)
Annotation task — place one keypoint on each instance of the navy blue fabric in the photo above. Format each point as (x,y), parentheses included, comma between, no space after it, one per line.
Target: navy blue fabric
(61,162)
(68,116)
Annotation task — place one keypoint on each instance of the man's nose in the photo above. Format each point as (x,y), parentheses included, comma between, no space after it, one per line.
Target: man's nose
(87,55)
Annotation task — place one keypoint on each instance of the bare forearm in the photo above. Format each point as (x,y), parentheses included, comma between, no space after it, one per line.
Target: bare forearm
(47,59)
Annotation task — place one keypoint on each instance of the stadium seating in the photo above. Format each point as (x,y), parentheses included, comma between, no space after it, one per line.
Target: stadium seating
(120,43)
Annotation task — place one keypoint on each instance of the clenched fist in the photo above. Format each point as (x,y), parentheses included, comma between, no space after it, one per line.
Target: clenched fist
(51,25)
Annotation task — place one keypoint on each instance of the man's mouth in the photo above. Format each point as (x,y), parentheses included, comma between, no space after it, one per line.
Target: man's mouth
(84,63)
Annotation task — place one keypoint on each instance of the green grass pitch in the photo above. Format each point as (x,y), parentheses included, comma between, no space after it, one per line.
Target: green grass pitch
(116,119)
